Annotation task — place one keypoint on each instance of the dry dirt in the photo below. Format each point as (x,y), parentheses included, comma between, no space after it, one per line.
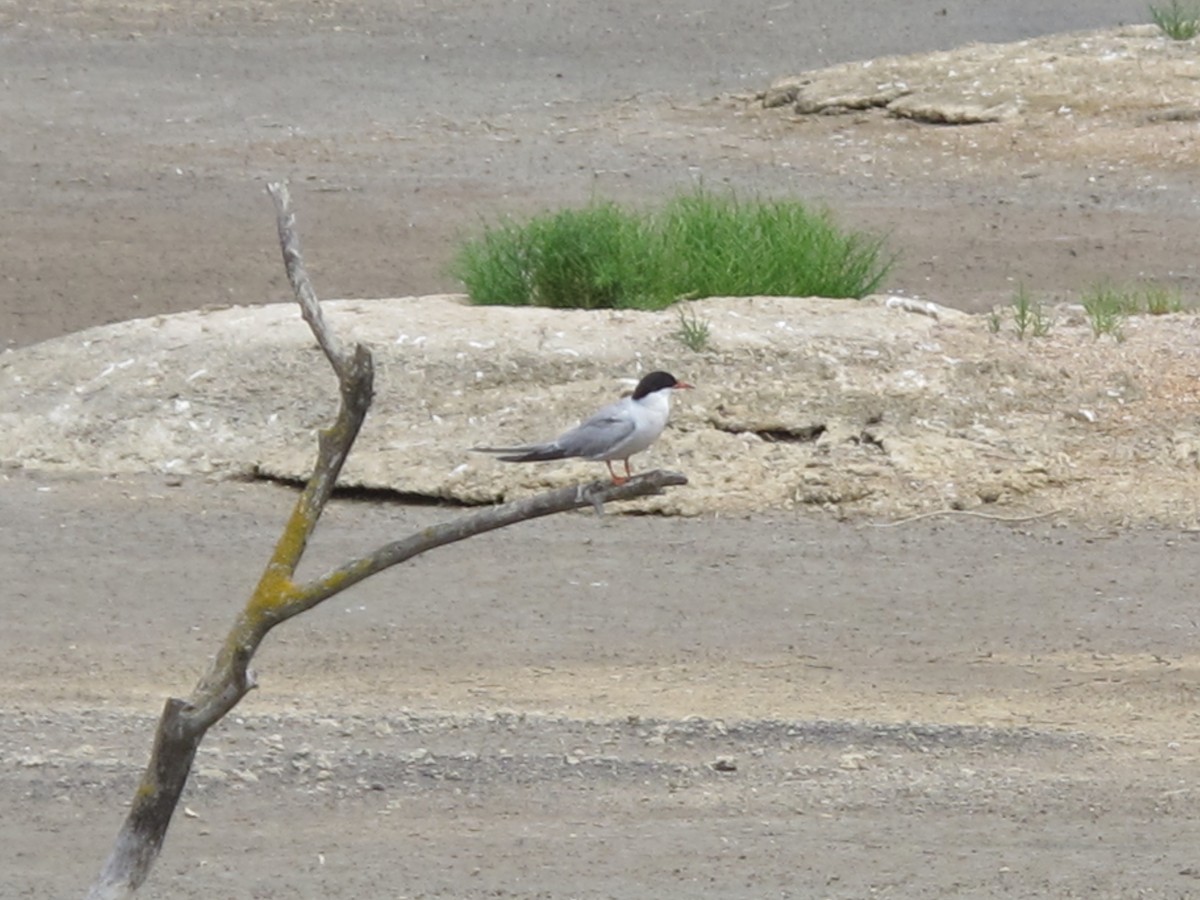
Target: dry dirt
(793,696)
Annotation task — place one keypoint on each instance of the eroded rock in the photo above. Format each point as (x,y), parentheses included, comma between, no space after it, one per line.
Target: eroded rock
(861,407)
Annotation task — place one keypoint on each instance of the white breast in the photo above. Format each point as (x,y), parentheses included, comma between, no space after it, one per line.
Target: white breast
(649,416)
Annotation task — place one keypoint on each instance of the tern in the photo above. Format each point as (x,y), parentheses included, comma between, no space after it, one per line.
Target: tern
(618,431)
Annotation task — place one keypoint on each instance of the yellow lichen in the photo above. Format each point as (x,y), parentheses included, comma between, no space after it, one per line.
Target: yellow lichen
(147,789)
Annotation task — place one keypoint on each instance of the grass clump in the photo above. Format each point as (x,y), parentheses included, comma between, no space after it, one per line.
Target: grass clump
(693,332)
(589,258)
(1179,21)
(719,246)
(1029,315)
(1160,301)
(1106,308)
(698,245)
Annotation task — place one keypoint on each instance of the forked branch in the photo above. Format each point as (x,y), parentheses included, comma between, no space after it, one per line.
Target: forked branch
(277,597)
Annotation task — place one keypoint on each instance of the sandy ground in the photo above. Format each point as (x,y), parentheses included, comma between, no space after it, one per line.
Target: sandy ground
(750,705)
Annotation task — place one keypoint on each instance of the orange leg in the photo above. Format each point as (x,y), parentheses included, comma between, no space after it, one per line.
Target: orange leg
(617,479)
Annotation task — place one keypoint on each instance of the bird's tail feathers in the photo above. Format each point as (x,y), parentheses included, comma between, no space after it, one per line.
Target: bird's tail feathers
(532,453)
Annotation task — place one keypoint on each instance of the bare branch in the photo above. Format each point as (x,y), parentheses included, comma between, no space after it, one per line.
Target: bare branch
(356,375)
(184,723)
(277,598)
(310,306)
(573,497)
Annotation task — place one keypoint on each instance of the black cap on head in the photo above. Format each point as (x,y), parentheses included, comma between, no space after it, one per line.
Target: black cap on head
(655,381)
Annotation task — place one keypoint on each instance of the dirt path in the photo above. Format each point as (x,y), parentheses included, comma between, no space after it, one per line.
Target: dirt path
(138,136)
(979,710)
(737,706)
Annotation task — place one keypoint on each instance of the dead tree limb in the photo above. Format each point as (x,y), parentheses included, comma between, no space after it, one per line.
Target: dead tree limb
(277,597)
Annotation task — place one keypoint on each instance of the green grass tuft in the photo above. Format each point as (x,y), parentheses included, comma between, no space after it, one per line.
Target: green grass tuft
(1160,301)
(580,259)
(1106,308)
(717,246)
(1179,21)
(693,332)
(698,245)
(994,321)
(1029,315)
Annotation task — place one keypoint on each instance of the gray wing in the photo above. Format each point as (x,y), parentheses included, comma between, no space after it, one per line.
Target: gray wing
(592,439)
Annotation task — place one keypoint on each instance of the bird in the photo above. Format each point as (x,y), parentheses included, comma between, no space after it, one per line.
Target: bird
(616,432)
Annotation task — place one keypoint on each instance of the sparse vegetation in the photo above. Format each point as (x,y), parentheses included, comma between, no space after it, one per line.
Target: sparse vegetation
(1160,301)
(693,332)
(1029,315)
(1179,21)
(994,321)
(698,245)
(1107,305)
(1107,308)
